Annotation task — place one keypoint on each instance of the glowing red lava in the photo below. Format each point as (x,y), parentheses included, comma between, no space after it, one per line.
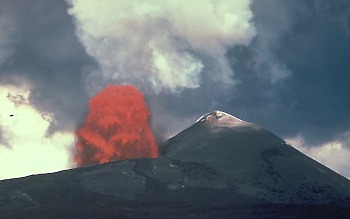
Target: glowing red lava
(117,127)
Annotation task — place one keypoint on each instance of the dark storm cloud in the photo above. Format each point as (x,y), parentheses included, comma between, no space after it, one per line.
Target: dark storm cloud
(41,47)
(314,99)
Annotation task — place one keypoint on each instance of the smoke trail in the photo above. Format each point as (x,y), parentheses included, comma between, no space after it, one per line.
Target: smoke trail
(24,146)
(115,128)
(160,45)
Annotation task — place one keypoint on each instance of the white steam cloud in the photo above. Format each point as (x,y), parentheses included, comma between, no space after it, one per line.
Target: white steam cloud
(160,45)
(24,146)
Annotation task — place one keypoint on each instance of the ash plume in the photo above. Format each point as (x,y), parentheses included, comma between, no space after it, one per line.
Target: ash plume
(160,45)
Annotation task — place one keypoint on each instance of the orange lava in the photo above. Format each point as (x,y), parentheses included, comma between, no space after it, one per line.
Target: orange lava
(116,128)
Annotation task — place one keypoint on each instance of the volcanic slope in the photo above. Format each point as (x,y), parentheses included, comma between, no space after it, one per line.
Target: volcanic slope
(220,167)
(259,163)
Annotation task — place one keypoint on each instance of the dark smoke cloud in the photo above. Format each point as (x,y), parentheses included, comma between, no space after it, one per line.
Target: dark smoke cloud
(309,106)
(38,45)
(39,56)
(313,99)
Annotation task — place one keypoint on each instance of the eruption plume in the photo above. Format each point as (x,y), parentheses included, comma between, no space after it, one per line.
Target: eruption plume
(115,128)
(161,45)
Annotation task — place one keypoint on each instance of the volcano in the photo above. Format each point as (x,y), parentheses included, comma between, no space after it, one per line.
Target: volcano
(220,167)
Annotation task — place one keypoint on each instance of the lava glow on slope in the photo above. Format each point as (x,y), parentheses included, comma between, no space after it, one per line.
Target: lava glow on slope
(116,127)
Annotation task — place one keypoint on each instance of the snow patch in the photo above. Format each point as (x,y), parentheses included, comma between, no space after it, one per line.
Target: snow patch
(222,119)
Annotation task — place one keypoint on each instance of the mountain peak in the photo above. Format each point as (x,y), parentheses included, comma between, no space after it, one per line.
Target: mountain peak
(221,119)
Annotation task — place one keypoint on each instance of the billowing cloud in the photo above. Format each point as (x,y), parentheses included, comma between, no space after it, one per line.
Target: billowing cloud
(160,45)
(25,147)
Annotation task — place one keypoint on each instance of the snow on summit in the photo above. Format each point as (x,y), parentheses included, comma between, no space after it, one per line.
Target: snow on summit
(222,119)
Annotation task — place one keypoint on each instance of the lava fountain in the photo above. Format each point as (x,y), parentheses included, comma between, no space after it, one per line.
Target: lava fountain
(116,128)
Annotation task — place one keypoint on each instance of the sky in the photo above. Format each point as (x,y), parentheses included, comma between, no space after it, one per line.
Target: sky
(280,64)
